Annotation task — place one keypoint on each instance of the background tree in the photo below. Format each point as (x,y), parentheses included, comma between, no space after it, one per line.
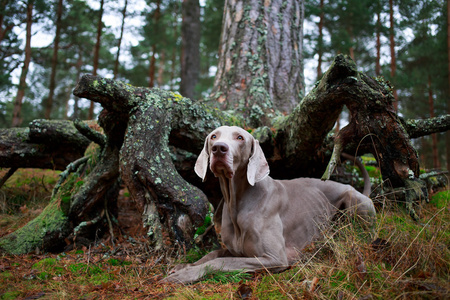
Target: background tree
(190,56)
(97,51)
(392,47)
(52,85)
(17,119)
(119,42)
(421,77)
(260,71)
(447,136)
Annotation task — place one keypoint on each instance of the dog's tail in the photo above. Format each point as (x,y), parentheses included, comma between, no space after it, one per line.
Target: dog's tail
(367,186)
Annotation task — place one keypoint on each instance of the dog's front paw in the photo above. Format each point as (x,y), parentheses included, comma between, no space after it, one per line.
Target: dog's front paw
(179,267)
(186,274)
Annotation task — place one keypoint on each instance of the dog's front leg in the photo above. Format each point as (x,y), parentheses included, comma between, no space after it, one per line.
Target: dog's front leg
(210,256)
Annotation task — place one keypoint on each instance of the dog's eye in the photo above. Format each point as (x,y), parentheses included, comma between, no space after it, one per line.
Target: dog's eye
(213,136)
(240,137)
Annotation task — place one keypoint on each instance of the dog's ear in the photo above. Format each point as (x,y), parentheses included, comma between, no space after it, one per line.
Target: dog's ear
(201,165)
(257,168)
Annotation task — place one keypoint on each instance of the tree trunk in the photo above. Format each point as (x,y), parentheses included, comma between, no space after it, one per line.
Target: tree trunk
(152,61)
(52,86)
(392,47)
(17,119)
(260,67)
(119,43)
(378,45)
(190,58)
(4,30)
(434,146)
(320,42)
(151,68)
(79,65)
(97,53)
(447,135)
(161,68)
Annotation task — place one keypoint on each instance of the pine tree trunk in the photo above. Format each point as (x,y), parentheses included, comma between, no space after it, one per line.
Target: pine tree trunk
(119,43)
(447,135)
(161,68)
(190,58)
(52,86)
(17,119)
(260,67)
(436,162)
(378,46)
(151,68)
(97,53)
(4,31)
(320,42)
(78,66)
(152,61)
(392,47)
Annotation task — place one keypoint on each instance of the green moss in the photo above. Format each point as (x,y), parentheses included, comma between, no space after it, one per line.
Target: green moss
(48,268)
(440,199)
(30,237)
(6,275)
(10,295)
(118,262)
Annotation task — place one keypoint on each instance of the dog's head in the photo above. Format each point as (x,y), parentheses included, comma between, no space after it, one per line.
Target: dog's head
(229,150)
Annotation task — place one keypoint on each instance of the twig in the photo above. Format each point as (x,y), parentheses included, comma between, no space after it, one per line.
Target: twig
(10,173)
(111,232)
(87,223)
(90,133)
(69,169)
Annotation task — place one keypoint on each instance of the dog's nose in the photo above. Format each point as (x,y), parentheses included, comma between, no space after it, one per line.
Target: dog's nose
(220,148)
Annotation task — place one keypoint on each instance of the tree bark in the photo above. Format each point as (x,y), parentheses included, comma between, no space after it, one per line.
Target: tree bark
(17,119)
(190,58)
(52,86)
(44,144)
(171,207)
(260,67)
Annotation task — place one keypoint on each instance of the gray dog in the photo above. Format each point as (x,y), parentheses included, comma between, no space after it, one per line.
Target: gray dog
(265,222)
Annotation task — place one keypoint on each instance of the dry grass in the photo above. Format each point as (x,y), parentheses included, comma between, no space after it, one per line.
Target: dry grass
(397,259)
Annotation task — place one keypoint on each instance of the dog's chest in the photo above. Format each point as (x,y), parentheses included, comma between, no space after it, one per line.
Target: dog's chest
(239,234)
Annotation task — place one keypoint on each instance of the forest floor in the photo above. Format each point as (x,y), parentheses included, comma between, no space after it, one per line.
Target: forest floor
(397,259)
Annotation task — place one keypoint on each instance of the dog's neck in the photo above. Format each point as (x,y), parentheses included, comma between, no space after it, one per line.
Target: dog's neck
(231,188)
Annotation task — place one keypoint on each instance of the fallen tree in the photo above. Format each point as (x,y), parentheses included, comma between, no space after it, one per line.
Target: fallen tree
(143,126)
(43,144)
